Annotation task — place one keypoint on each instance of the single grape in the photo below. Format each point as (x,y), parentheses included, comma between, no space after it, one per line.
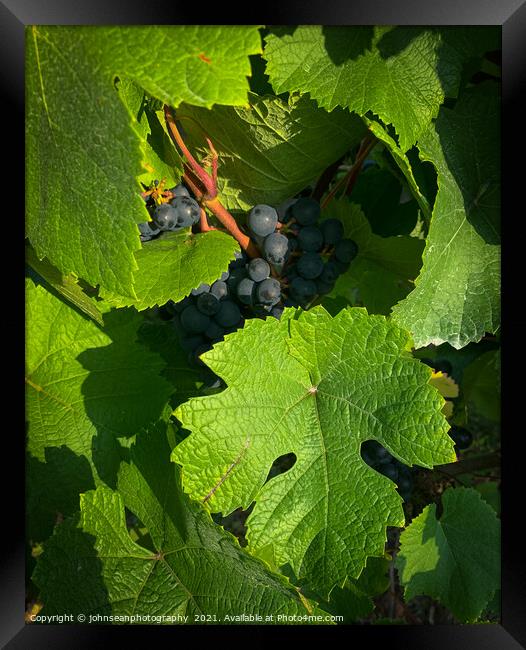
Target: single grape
(180,190)
(405,487)
(330,272)
(202,288)
(310,266)
(165,216)
(382,456)
(224,276)
(332,230)
(293,245)
(194,321)
(258,269)
(214,331)
(346,250)
(228,314)
(262,220)
(306,211)
(219,289)
(302,290)
(268,292)
(245,291)
(148,230)
(310,238)
(187,211)
(275,248)
(208,304)
(236,275)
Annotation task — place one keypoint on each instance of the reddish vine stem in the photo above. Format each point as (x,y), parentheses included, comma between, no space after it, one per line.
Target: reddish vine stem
(349,180)
(204,226)
(204,187)
(323,181)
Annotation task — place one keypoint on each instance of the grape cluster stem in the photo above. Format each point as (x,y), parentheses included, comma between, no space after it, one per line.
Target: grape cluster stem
(204,187)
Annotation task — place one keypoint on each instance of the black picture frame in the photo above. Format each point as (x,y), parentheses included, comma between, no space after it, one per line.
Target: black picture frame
(511,16)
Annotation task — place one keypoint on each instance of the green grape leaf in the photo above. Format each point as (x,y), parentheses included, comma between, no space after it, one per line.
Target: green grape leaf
(84,150)
(66,285)
(86,389)
(457,294)
(173,264)
(317,387)
(82,199)
(401,74)
(274,148)
(92,566)
(160,158)
(384,269)
(198,64)
(455,558)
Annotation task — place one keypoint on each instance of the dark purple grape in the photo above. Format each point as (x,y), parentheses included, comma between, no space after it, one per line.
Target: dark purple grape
(165,216)
(245,291)
(268,292)
(194,321)
(275,248)
(228,314)
(208,304)
(310,266)
(258,269)
(187,209)
(262,220)
(202,288)
(302,290)
(310,238)
(219,289)
(332,230)
(180,190)
(306,211)
(346,250)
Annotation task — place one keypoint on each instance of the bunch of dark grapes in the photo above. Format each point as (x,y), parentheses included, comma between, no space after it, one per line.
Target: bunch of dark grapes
(301,259)
(382,461)
(170,211)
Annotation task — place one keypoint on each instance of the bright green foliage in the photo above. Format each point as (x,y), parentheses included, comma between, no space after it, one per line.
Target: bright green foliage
(160,157)
(457,294)
(172,265)
(91,565)
(83,148)
(401,74)
(272,149)
(66,285)
(384,268)
(481,386)
(318,387)
(82,200)
(456,558)
(197,64)
(85,389)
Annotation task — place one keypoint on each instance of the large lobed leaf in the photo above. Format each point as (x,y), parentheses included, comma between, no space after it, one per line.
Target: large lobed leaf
(86,388)
(84,150)
(190,567)
(315,386)
(173,264)
(454,558)
(457,294)
(274,148)
(401,74)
